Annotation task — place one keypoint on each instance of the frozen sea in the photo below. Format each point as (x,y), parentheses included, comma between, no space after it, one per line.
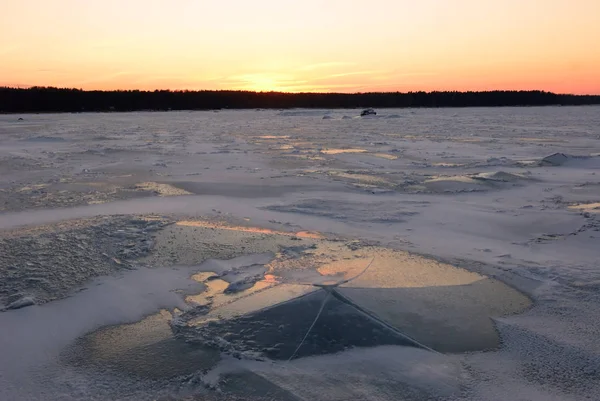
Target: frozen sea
(511,194)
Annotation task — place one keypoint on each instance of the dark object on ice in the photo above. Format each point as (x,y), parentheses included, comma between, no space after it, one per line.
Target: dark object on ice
(20,119)
(368,112)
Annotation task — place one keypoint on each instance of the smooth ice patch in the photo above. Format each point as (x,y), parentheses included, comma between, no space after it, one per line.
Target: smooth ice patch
(340,151)
(587,207)
(161,189)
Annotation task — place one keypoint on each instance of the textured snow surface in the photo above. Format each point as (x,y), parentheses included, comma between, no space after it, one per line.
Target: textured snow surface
(501,192)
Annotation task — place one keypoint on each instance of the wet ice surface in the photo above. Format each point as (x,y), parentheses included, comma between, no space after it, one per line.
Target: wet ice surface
(470,186)
(277,332)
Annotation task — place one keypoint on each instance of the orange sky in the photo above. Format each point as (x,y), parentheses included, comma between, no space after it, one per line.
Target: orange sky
(302,45)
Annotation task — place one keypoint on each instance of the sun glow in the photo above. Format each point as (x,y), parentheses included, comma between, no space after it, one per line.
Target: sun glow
(399,45)
(263,82)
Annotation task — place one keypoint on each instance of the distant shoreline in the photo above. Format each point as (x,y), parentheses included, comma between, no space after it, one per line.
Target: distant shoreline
(61,100)
(13,113)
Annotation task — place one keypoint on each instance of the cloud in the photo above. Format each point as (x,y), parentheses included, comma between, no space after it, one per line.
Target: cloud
(348,74)
(304,81)
(325,65)
(110,77)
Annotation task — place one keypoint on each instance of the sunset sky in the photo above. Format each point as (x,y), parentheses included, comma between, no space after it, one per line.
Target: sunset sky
(302,45)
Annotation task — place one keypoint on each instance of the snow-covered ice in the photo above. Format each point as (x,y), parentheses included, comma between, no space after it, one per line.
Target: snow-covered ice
(508,193)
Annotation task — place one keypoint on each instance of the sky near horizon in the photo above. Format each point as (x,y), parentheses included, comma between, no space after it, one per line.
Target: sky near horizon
(302,45)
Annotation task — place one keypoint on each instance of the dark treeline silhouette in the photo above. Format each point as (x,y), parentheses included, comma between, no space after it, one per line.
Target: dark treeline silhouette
(45,99)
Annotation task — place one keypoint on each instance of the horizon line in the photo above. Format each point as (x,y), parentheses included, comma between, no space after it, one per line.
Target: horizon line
(23,87)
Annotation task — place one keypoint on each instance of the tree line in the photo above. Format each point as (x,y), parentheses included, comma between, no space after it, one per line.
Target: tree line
(49,99)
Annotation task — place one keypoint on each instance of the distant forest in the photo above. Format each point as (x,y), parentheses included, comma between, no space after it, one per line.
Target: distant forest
(46,99)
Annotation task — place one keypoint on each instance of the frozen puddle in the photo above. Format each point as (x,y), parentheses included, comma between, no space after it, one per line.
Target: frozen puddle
(158,324)
(440,306)
(257,329)
(401,299)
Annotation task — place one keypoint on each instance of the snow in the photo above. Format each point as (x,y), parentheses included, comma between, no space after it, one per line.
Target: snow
(509,193)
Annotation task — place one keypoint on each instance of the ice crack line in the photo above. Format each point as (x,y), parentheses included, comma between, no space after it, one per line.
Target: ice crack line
(328,288)
(311,326)
(331,286)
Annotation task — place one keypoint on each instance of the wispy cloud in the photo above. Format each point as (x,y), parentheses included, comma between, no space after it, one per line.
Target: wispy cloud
(349,74)
(326,65)
(308,79)
(109,77)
